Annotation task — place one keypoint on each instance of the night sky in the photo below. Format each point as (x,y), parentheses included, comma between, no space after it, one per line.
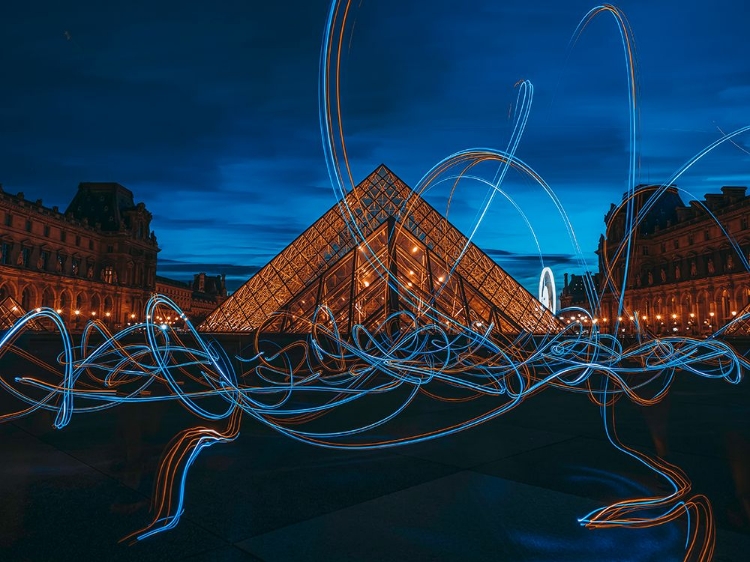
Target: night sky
(207,111)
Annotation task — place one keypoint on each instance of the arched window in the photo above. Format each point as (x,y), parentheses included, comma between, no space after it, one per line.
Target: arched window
(65,302)
(27,299)
(95,305)
(48,298)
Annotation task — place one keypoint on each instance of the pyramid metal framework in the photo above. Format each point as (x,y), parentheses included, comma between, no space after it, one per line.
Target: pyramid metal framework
(407,238)
(740,328)
(11,311)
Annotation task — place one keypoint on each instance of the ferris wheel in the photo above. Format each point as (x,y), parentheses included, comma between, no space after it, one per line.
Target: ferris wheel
(547,292)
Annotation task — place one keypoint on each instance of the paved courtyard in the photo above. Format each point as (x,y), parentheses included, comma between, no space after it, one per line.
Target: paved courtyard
(511,489)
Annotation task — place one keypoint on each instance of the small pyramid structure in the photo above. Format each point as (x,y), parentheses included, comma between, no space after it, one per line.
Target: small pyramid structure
(11,311)
(740,327)
(404,265)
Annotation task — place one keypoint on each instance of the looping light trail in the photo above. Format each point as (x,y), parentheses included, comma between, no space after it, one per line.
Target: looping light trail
(293,388)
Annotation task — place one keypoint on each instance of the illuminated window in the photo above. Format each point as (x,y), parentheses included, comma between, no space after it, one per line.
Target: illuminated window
(108,274)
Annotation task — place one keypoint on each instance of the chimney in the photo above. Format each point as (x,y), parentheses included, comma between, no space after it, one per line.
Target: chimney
(566,282)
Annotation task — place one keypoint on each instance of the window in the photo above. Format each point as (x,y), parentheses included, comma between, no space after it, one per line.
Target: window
(110,248)
(663,247)
(43,259)
(743,223)
(91,244)
(5,258)
(676,243)
(8,219)
(46,230)
(108,274)
(691,239)
(28,226)
(78,240)
(24,257)
(63,236)
(706,234)
(645,250)
(76,266)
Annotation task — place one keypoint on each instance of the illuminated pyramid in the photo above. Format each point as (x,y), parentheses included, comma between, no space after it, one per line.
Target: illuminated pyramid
(740,327)
(11,311)
(407,238)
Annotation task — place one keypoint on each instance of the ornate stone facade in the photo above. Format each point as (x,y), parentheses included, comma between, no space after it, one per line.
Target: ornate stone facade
(197,299)
(684,275)
(95,260)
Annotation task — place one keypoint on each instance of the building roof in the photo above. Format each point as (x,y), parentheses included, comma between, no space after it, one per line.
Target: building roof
(103,203)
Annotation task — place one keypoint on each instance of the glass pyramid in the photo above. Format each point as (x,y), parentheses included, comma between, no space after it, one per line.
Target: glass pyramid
(11,312)
(403,266)
(741,327)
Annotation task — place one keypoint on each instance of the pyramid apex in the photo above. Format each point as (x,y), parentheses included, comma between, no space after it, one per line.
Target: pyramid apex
(382,171)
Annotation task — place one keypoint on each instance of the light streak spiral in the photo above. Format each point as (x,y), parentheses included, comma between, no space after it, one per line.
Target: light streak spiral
(292,388)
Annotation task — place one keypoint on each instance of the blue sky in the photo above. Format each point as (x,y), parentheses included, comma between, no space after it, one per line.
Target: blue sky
(208,112)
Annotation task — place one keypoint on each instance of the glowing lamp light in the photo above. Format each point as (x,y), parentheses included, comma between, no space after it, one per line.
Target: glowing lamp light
(367,283)
(441,278)
(59,311)
(107,314)
(734,313)
(38,309)
(674,316)
(414,249)
(132,315)
(163,327)
(77,312)
(711,314)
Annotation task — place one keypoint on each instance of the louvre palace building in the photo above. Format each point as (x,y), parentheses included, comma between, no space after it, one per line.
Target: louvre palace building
(684,275)
(95,260)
